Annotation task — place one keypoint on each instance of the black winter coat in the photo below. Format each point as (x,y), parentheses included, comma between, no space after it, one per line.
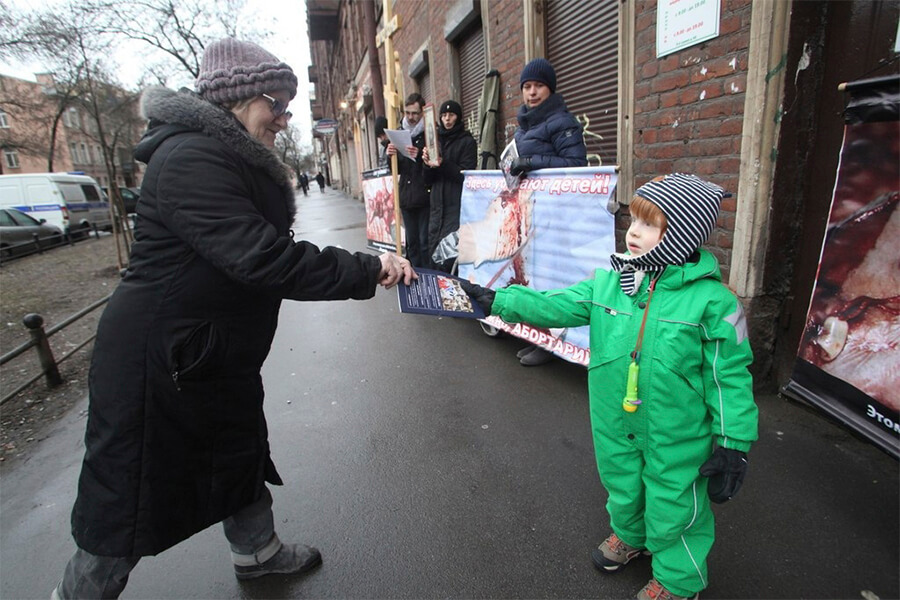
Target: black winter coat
(413,188)
(459,152)
(550,135)
(176,436)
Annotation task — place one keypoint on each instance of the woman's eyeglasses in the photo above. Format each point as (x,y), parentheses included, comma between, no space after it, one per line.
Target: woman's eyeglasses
(278,107)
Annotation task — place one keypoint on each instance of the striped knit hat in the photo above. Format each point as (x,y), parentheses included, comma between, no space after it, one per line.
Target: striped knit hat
(691,206)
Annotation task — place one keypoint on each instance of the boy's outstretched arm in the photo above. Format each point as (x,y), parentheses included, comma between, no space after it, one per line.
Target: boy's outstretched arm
(568,307)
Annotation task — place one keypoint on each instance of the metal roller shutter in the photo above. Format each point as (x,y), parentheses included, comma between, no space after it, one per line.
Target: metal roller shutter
(424,83)
(471,72)
(582,46)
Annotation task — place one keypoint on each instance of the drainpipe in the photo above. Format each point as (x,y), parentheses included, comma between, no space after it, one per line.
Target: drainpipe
(374,60)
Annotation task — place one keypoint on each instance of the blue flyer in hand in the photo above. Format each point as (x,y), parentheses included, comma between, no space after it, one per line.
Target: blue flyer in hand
(439,294)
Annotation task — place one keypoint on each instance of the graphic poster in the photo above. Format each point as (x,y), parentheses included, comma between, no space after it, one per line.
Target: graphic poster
(378,192)
(550,232)
(848,362)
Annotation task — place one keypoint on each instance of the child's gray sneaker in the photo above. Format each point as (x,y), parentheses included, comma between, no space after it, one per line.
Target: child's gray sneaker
(654,590)
(290,559)
(613,554)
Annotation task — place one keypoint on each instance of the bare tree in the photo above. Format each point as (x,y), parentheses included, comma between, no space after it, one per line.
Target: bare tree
(289,150)
(178,29)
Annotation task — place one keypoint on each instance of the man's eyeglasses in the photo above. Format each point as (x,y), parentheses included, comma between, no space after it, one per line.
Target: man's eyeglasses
(278,107)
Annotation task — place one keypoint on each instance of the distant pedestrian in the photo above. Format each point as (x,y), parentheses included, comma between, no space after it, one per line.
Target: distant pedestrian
(548,136)
(320,179)
(176,435)
(304,183)
(674,418)
(458,152)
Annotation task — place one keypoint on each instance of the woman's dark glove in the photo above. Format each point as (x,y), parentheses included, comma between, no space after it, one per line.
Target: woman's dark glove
(520,164)
(483,296)
(726,469)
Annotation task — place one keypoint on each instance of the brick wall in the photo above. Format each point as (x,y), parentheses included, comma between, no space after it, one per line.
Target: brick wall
(425,21)
(689,109)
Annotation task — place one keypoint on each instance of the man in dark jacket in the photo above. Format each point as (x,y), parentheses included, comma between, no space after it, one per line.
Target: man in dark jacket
(176,435)
(459,152)
(548,136)
(304,183)
(414,192)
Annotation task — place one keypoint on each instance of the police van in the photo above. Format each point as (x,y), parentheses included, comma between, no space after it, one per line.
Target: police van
(74,203)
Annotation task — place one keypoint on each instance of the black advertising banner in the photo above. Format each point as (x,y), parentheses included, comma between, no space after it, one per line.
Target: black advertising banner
(848,362)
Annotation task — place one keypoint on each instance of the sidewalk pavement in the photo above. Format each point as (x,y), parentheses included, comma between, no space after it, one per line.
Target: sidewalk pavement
(419,482)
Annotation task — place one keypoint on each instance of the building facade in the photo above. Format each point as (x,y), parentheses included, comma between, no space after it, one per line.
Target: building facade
(34,119)
(755,108)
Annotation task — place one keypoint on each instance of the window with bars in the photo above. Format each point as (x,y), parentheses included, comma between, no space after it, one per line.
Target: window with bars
(4,119)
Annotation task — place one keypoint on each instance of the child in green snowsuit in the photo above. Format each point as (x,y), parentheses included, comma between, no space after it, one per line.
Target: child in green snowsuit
(680,439)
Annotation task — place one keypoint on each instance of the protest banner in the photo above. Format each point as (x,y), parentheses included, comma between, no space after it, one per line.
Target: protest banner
(550,232)
(847,363)
(378,193)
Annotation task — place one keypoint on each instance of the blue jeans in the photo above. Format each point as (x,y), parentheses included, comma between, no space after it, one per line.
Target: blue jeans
(91,576)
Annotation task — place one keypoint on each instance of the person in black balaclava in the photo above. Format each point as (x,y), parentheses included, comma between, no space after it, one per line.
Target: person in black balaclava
(458,152)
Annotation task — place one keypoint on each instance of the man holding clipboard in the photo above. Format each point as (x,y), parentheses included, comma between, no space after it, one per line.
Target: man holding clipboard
(407,144)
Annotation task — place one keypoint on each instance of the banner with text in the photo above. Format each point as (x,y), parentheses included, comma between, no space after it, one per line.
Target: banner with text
(378,193)
(551,232)
(848,362)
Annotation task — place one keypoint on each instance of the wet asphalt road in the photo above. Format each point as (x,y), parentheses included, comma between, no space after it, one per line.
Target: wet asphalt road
(425,462)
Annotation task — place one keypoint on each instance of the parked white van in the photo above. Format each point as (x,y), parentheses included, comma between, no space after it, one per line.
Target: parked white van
(74,203)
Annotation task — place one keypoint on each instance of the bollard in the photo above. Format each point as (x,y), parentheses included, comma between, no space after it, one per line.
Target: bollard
(35,325)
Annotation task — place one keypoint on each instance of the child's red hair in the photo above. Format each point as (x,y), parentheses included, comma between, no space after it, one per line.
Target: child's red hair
(645,210)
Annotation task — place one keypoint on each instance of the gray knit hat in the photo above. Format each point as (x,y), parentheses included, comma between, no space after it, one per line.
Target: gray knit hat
(232,70)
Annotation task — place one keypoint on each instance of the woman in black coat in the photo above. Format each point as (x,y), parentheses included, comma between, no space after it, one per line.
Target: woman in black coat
(176,435)
(459,152)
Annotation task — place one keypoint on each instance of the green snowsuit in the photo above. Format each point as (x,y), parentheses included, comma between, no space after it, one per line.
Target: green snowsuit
(695,389)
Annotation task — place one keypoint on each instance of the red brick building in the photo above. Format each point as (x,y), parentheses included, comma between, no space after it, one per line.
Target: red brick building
(754,108)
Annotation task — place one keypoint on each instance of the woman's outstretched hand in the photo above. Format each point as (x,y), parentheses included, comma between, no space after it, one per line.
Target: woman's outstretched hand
(395,268)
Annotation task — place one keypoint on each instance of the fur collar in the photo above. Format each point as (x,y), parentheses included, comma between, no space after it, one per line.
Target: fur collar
(162,105)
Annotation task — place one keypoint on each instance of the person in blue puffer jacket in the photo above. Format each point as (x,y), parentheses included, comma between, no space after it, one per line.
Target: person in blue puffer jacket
(548,136)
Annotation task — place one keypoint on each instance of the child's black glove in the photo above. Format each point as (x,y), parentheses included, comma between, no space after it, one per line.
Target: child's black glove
(483,296)
(520,164)
(726,469)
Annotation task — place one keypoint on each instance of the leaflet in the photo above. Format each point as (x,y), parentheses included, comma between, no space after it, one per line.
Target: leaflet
(400,138)
(439,294)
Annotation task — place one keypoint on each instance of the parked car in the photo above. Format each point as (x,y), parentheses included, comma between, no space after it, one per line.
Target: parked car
(130,197)
(17,231)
